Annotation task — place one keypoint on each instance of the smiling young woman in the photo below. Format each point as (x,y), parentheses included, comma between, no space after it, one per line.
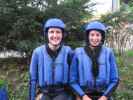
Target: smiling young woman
(94,74)
(49,68)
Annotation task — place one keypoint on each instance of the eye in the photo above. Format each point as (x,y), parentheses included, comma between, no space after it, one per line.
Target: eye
(92,34)
(58,32)
(51,31)
(97,35)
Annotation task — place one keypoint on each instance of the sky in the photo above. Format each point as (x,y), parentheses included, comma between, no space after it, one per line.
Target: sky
(102,6)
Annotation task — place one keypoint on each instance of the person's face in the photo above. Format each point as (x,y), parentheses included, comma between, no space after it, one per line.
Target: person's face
(55,36)
(95,38)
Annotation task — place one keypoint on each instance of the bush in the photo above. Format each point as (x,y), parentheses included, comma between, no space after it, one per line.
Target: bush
(2,83)
(3,91)
(129,53)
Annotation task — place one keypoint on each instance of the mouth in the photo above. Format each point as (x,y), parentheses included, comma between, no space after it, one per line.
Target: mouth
(95,42)
(56,40)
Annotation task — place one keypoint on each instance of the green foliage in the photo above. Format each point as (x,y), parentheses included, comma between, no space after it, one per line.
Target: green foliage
(17,79)
(117,18)
(124,91)
(18,22)
(120,61)
(21,21)
(129,53)
(21,88)
(123,95)
(120,29)
(2,83)
(75,44)
(27,46)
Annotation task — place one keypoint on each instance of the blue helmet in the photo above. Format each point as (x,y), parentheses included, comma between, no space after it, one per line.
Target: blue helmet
(54,22)
(95,25)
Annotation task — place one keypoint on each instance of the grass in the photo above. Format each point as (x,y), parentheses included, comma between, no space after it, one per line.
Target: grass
(2,82)
(125,89)
(129,53)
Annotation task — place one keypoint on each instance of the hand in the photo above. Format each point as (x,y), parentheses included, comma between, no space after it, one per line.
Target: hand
(78,97)
(39,96)
(85,97)
(103,98)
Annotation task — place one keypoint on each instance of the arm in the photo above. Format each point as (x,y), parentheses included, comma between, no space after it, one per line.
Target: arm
(114,78)
(33,76)
(74,77)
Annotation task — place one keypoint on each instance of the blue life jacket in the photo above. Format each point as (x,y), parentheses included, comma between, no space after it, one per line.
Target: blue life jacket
(81,71)
(45,71)
(45,64)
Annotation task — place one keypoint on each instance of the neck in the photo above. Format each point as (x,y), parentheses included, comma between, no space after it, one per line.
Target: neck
(53,47)
(92,47)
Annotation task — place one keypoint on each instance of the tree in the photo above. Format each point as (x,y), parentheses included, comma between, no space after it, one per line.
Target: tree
(18,23)
(21,20)
(121,29)
(73,12)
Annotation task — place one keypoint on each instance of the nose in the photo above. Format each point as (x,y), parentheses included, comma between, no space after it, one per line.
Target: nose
(55,33)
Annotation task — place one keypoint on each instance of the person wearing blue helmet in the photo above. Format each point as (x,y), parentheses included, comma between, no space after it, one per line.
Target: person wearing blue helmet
(50,64)
(93,72)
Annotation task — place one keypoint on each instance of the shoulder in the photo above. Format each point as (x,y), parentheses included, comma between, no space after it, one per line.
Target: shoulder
(67,48)
(79,50)
(39,49)
(107,49)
